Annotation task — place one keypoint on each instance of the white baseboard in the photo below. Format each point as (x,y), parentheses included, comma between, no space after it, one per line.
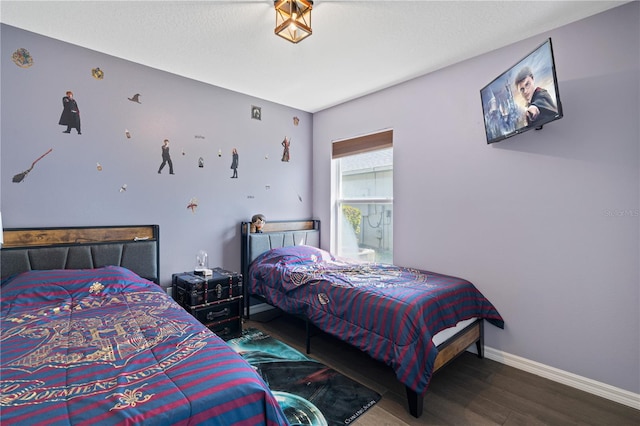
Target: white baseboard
(603,390)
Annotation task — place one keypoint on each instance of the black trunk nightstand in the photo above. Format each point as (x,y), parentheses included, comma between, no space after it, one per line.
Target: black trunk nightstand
(214,300)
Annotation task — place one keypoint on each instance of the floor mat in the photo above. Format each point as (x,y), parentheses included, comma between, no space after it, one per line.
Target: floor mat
(309,392)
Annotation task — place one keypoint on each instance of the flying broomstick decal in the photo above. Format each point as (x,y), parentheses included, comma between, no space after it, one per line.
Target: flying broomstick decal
(20,176)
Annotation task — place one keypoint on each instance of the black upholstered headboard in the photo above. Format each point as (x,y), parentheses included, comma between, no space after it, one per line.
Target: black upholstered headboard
(134,247)
(273,235)
(277,234)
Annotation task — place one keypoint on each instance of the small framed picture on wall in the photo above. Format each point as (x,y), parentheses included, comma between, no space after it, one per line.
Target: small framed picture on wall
(256,112)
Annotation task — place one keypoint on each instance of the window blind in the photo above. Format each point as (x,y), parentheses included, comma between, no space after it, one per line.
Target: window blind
(362,144)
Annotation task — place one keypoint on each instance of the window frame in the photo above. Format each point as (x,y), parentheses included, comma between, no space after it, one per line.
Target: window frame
(348,147)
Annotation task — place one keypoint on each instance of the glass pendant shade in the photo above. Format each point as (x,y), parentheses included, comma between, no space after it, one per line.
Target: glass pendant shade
(293,19)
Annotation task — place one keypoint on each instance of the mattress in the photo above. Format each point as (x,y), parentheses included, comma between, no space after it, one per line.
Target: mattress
(448,333)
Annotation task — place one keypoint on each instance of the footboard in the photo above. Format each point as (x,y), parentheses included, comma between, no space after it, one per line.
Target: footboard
(447,352)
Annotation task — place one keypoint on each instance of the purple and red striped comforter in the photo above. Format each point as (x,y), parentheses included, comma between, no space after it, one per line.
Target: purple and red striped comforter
(104,346)
(387,311)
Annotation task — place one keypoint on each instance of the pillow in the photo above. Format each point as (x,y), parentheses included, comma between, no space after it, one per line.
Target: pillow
(70,283)
(294,254)
(274,268)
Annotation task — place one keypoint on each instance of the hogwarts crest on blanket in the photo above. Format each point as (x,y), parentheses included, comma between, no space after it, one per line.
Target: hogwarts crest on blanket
(309,392)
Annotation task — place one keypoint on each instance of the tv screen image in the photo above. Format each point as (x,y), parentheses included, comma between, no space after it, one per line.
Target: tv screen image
(524,97)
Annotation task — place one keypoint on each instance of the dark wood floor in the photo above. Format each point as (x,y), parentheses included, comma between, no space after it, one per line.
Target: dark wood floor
(469,391)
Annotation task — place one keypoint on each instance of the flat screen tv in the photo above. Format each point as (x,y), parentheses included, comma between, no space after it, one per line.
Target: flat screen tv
(522,98)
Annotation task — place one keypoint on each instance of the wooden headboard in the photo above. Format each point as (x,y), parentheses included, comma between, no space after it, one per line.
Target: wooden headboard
(135,247)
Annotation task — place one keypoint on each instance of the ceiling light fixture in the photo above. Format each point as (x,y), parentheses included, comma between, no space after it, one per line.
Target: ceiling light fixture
(293,19)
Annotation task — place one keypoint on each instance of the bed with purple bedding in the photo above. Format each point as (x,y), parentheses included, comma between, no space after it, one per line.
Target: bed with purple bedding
(387,311)
(103,345)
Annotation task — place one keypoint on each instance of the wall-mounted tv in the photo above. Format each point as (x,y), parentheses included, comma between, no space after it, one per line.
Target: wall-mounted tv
(523,97)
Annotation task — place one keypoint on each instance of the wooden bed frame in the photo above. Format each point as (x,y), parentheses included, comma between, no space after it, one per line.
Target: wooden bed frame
(287,233)
(135,247)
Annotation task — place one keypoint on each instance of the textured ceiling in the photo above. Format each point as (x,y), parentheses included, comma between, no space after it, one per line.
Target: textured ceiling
(357,47)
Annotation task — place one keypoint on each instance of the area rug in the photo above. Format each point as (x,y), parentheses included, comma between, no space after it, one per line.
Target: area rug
(310,393)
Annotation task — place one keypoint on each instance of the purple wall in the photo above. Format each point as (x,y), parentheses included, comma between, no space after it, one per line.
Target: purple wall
(546,223)
(65,188)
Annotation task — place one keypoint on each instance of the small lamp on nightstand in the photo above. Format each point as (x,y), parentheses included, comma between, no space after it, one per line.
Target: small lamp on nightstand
(202,264)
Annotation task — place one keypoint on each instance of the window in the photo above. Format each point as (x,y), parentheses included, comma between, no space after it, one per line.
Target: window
(364,197)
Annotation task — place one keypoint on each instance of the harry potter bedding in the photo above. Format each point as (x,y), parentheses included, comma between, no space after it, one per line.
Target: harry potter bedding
(104,346)
(389,312)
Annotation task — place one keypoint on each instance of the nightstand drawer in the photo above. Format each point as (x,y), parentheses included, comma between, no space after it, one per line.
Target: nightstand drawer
(217,311)
(227,329)
(201,298)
